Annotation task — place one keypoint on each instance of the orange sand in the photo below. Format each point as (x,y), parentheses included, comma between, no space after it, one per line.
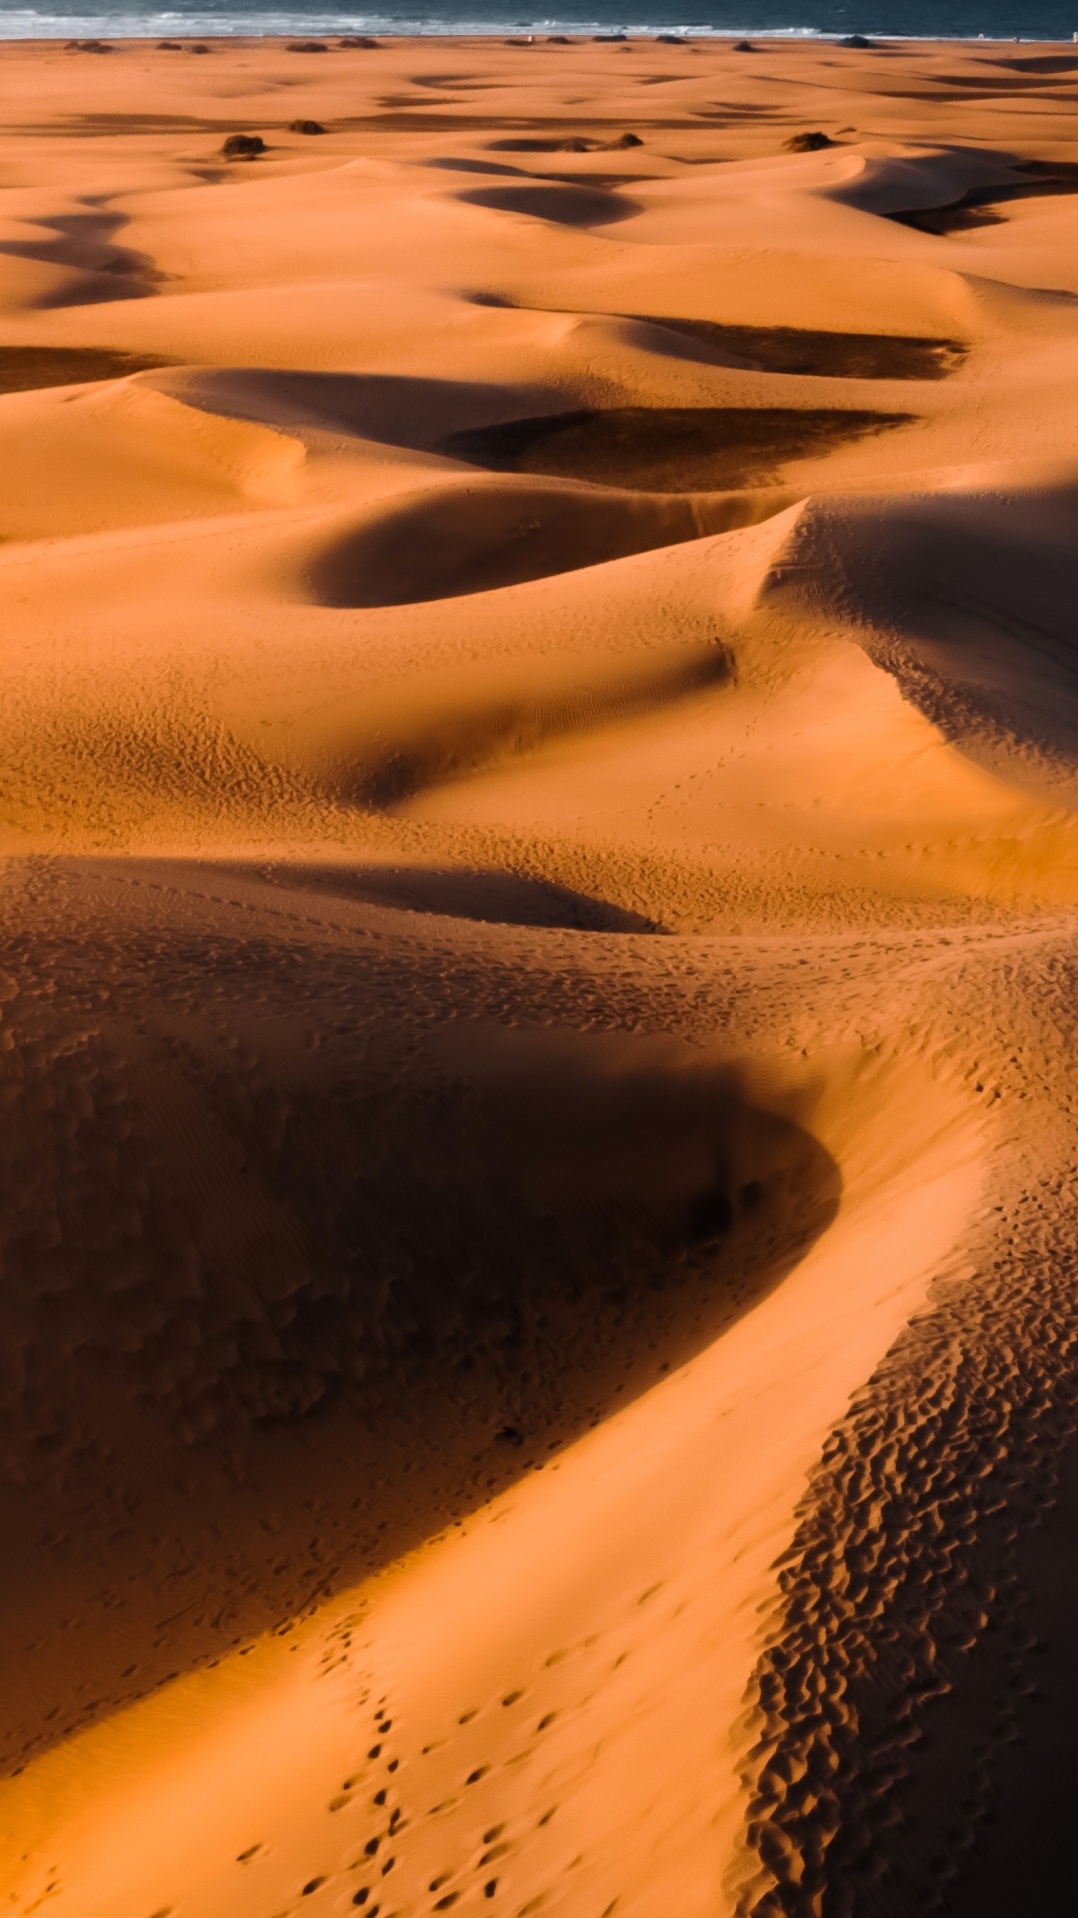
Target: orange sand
(539,805)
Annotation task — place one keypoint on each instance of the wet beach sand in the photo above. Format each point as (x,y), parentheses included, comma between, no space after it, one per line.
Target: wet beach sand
(539,813)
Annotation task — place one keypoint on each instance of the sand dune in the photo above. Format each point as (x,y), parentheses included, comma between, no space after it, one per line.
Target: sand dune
(538,740)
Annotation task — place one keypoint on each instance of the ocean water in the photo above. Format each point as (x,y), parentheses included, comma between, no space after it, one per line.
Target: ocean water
(1051,20)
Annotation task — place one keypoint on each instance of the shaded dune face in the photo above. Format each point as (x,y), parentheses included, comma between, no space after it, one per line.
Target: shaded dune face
(497,726)
(72,259)
(483,1237)
(665,449)
(793,349)
(23,368)
(839,356)
(391,408)
(979,206)
(970,605)
(568,205)
(490,897)
(478,539)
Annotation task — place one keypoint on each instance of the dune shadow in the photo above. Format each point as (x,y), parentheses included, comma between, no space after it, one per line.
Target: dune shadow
(836,356)
(84,243)
(1048,63)
(501,726)
(147,122)
(24,368)
(317,1303)
(666,449)
(561,204)
(788,349)
(459,539)
(396,409)
(985,647)
(462,164)
(565,143)
(482,894)
(1026,71)
(523,143)
(977,207)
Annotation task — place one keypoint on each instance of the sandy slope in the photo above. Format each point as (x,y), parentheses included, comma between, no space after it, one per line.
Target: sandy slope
(538,744)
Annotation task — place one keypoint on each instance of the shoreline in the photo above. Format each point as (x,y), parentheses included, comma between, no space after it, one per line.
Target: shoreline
(525,36)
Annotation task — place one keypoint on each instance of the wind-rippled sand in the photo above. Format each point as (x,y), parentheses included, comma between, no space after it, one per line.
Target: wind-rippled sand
(538,791)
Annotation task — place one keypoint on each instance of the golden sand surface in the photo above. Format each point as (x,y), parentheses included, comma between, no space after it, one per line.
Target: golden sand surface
(539,811)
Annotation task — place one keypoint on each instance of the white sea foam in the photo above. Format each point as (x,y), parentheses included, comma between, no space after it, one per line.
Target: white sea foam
(1048,20)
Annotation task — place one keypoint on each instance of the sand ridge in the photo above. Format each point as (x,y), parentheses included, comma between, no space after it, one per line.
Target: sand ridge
(539,858)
